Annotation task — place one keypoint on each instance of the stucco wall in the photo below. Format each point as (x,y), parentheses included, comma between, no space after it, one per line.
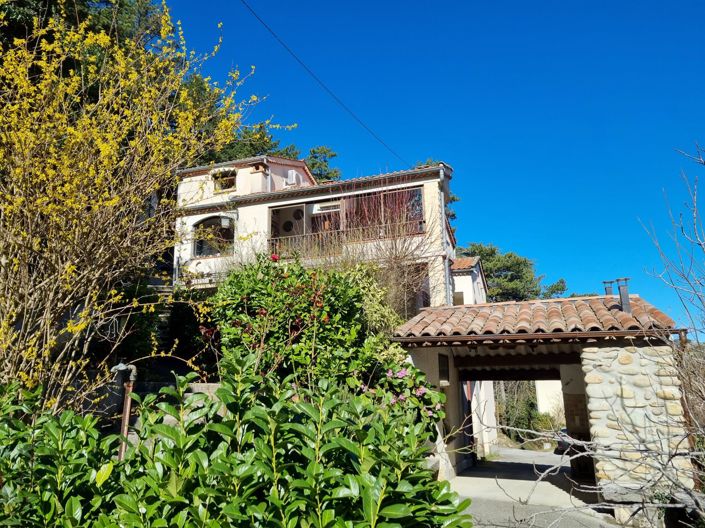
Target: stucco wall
(549,396)
(484,418)
(427,360)
(636,419)
(482,410)
(463,283)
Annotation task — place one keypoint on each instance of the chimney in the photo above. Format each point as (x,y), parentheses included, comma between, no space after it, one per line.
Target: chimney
(623,286)
(608,287)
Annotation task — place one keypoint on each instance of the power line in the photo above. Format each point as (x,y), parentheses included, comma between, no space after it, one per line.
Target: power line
(323,85)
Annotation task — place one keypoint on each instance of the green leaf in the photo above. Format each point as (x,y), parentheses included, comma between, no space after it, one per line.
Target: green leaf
(342,492)
(348,445)
(169,432)
(127,503)
(103,473)
(396,511)
(73,509)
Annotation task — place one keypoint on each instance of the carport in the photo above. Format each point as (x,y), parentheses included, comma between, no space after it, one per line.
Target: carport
(613,355)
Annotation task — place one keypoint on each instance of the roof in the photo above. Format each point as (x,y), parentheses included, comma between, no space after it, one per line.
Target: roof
(578,317)
(464,263)
(353,184)
(244,162)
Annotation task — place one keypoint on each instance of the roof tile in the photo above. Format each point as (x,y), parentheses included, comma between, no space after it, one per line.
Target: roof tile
(464,263)
(579,314)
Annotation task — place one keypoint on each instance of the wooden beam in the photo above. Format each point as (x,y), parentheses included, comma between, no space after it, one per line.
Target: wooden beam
(457,340)
(516,360)
(510,374)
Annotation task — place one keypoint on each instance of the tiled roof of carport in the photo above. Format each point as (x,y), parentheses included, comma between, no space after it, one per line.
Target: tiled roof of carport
(550,319)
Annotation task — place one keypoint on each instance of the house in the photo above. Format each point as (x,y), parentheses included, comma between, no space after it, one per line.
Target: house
(232,211)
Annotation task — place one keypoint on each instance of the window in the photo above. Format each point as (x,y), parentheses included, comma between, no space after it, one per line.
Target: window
(390,213)
(443,368)
(224,180)
(214,237)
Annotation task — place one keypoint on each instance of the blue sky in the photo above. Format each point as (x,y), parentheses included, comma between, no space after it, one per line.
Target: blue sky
(562,120)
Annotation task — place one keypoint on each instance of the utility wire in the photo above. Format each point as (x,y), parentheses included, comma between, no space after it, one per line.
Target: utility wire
(323,85)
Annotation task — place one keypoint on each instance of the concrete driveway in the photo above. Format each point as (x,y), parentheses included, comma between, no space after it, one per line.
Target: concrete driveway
(505,493)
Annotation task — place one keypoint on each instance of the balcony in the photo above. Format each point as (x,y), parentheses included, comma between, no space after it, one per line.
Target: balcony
(364,242)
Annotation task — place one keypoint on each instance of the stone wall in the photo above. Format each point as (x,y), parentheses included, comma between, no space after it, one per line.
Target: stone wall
(636,420)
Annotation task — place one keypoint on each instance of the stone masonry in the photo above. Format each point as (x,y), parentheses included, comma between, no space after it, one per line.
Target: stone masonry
(636,420)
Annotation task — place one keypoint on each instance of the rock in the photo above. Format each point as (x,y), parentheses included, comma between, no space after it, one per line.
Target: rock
(600,432)
(634,404)
(670,381)
(593,378)
(598,406)
(599,391)
(668,394)
(674,408)
(625,359)
(626,392)
(642,381)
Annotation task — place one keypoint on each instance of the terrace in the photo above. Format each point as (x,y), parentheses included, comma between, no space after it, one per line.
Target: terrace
(328,228)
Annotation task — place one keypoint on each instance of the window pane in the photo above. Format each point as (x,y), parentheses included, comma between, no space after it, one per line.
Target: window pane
(214,236)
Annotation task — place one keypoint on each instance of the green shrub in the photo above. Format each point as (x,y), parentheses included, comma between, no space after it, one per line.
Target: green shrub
(317,324)
(263,453)
(318,422)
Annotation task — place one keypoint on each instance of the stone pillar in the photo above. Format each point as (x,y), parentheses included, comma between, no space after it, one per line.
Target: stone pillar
(636,421)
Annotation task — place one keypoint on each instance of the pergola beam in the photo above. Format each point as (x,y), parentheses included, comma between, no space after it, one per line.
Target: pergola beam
(512,360)
(509,374)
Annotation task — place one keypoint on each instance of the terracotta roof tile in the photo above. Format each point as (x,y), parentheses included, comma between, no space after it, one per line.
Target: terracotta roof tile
(464,263)
(571,315)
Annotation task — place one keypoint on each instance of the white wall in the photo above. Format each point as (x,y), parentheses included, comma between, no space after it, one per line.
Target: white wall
(484,418)
(549,396)
(463,284)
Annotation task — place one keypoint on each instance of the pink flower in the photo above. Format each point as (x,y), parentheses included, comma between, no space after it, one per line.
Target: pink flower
(390,373)
(429,412)
(421,391)
(402,373)
(274,257)
(401,398)
(393,401)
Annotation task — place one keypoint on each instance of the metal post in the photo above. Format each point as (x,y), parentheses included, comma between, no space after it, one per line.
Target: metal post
(126,404)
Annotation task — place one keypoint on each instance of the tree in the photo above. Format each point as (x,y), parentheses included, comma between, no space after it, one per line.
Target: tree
(510,277)
(134,19)
(85,182)
(258,140)
(251,141)
(318,160)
